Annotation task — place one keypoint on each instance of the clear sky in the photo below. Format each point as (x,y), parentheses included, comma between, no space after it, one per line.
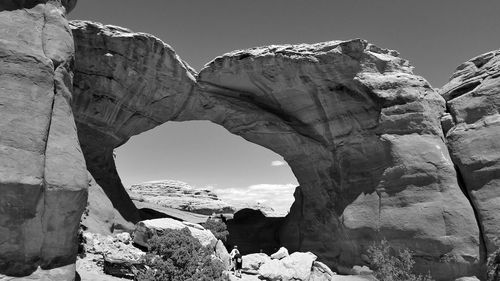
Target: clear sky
(435,35)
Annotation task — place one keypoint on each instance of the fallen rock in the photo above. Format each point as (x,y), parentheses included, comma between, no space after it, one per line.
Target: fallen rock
(281,253)
(296,266)
(145,230)
(321,272)
(254,261)
(117,265)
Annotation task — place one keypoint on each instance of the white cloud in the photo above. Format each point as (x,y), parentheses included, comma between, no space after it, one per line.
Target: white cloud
(277,196)
(278,163)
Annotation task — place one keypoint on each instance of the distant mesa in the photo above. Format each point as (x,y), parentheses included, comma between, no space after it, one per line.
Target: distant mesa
(182,196)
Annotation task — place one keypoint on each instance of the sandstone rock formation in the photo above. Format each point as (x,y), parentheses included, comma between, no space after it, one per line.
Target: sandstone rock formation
(43,178)
(100,216)
(297,266)
(360,131)
(473,100)
(125,83)
(181,196)
(146,229)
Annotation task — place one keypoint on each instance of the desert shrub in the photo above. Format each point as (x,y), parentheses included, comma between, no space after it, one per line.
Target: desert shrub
(493,266)
(174,255)
(390,267)
(218,228)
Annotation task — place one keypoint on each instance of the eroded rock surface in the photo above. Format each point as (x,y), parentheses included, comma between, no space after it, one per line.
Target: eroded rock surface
(43,178)
(360,131)
(125,83)
(362,136)
(181,196)
(473,100)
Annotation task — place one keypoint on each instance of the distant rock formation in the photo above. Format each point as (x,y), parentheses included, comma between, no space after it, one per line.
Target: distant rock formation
(180,195)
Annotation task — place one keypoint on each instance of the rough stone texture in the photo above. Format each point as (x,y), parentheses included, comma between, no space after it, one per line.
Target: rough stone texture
(473,100)
(43,178)
(180,195)
(125,83)
(281,253)
(222,254)
(360,131)
(254,261)
(321,272)
(145,230)
(296,266)
(100,216)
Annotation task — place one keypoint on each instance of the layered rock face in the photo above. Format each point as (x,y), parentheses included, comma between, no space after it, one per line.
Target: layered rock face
(181,196)
(359,130)
(43,178)
(473,100)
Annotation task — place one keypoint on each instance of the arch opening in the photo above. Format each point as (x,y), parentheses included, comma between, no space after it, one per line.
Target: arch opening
(205,157)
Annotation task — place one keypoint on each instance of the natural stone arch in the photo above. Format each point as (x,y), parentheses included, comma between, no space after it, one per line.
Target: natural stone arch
(359,130)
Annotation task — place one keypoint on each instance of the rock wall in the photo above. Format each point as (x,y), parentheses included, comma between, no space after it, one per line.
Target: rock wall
(43,178)
(473,101)
(360,131)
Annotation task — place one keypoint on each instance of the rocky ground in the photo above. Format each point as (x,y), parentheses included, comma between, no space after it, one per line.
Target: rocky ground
(115,257)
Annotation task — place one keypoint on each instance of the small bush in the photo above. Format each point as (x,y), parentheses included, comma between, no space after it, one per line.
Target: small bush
(493,266)
(388,267)
(218,228)
(174,255)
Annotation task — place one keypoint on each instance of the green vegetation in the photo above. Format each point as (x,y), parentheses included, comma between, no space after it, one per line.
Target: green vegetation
(389,267)
(218,228)
(174,255)
(493,266)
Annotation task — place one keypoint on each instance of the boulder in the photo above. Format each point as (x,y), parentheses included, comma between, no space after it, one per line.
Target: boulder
(473,99)
(297,266)
(281,253)
(119,266)
(321,272)
(43,178)
(254,261)
(145,230)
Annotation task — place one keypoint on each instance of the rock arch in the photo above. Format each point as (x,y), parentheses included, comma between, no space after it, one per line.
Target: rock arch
(360,131)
